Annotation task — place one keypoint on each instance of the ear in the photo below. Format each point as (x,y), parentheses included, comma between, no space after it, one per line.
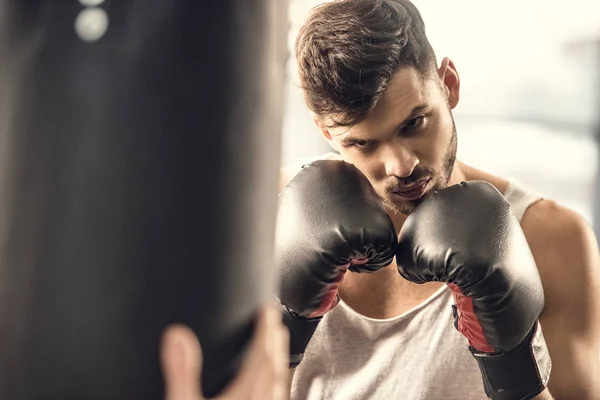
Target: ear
(450,80)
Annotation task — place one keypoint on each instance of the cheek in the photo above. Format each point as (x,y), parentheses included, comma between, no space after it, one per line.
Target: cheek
(369,166)
(438,139)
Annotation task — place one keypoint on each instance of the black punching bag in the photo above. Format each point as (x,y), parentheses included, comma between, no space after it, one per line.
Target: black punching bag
(139,155)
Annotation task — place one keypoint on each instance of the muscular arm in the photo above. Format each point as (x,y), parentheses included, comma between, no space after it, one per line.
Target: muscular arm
(566,252)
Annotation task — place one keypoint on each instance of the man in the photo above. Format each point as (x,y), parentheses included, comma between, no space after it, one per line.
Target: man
(378,96)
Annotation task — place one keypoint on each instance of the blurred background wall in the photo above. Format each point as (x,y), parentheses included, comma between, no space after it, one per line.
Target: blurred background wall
(530,73)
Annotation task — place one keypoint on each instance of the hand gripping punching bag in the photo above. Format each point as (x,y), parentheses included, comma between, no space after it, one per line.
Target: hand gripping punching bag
(138,187)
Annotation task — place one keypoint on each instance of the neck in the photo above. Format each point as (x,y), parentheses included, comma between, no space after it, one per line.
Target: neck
(457,176)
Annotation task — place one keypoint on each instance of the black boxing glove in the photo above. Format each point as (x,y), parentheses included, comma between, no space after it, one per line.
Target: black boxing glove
(330,220)
(466,235)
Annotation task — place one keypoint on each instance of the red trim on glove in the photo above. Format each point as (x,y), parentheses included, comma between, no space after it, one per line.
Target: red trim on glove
(330,298)
(467,322)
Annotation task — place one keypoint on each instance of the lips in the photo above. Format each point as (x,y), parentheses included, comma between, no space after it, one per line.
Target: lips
(411,187)
(414,190)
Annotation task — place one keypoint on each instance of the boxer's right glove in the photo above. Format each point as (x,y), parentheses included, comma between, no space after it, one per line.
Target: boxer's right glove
(467,236)
(330,220)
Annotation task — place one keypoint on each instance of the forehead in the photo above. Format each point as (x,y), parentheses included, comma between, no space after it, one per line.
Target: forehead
(406,90)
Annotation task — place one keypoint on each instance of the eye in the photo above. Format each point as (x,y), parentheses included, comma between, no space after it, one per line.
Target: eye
(362,144)
(414,123)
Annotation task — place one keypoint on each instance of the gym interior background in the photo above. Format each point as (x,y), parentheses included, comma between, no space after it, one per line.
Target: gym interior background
(530,92)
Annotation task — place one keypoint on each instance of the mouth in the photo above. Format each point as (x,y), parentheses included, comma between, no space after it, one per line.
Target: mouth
(413,191)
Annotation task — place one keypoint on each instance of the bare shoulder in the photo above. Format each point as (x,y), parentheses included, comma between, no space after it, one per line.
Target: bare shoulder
(566,252)
(551,228)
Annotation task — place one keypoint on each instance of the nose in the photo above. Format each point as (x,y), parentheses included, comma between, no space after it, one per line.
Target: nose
(400,162)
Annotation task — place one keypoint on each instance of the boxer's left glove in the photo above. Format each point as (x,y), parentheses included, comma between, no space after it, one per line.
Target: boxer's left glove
(329,220)
(466,235)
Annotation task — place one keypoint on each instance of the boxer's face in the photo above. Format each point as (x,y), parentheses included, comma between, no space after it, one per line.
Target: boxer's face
(407,145)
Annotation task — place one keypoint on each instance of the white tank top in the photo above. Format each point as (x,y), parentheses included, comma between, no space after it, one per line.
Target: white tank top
(418,355)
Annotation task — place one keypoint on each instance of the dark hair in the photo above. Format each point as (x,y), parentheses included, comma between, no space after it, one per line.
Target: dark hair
(348,51)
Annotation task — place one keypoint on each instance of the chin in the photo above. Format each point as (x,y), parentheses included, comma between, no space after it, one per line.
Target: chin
(405,207)
(402,208)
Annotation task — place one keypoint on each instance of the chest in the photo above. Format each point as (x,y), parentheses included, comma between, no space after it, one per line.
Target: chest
(415,356)
(384,294)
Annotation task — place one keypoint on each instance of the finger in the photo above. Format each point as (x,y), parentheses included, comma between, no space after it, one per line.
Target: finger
(245,383)
(276,336)
(281,349)
(275,375)
(263,370)
(181,358)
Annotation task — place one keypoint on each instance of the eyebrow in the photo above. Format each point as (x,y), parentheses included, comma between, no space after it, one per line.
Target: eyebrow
(418,110)
(415,112)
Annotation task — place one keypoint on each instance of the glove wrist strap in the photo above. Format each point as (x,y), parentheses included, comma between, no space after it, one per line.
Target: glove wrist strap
(301,331)
(520,374)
